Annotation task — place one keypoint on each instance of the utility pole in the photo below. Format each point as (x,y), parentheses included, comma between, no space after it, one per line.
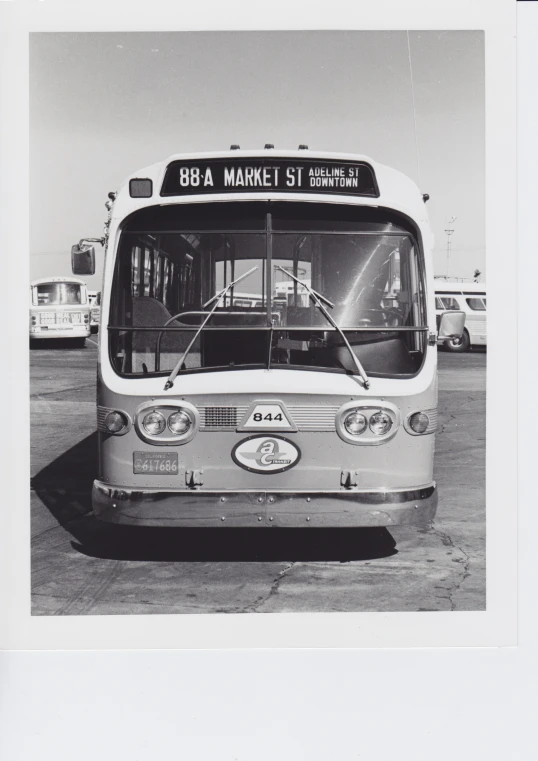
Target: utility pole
(449,230)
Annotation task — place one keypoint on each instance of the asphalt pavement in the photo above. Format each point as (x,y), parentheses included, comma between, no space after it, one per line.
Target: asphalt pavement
(82,566)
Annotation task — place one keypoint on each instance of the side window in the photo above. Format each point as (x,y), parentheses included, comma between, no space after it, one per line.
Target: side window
(449,303)
(476,304)
(438,303)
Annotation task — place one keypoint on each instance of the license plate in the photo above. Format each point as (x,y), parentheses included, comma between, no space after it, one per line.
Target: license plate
(155,463)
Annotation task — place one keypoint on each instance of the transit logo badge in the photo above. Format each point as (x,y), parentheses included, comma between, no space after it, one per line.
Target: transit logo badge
(266,454)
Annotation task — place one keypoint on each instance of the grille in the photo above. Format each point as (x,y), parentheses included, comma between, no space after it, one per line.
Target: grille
(306,418)
(102,412)
(220,418)
(314,417)
(434,418)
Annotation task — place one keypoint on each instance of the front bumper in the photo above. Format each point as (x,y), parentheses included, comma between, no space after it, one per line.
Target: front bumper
(74,331)
(199,508)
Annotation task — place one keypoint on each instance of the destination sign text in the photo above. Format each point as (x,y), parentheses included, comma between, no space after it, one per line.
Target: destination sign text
(260,174)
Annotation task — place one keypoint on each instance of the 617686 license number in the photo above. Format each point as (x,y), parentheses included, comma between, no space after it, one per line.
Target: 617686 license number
(155,463)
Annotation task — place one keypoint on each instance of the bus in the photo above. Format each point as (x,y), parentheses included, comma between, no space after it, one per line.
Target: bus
(95,309)
(280,411)
(59,308)
(471,299)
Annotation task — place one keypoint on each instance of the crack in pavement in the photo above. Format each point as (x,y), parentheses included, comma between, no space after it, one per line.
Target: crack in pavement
(464,562)
(273,590)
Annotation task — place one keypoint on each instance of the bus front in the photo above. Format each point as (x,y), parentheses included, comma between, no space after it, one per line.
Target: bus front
(311,402)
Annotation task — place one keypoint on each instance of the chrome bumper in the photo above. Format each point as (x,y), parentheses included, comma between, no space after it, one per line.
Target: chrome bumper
(345,508)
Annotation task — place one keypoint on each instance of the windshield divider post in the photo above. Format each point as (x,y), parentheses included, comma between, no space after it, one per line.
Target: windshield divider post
(269,267)
(271,329)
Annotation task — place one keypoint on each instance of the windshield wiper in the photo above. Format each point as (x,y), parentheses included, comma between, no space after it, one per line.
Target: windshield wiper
(171,378)
(317,298)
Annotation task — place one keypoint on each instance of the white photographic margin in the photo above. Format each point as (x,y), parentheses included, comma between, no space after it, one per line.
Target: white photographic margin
(497,626)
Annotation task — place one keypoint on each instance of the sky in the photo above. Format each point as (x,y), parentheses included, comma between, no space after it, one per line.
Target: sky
(103,105)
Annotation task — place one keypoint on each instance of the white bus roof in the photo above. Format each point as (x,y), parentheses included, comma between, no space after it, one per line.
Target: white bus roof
(44,280)
(396,190)
(448,286)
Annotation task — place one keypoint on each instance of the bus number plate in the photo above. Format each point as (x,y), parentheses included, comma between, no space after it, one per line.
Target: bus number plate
(155,463)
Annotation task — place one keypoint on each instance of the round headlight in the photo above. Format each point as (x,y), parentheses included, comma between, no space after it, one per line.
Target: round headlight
(115,422)
(419,422)
(154,423)
(179,422)
(355,423)
(380,423)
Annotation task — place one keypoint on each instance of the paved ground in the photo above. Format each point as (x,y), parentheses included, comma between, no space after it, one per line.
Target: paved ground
(80,566)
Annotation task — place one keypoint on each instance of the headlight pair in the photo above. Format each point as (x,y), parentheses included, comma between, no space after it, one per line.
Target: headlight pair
(179,422)
(369,423)
(355,423)
(165,423)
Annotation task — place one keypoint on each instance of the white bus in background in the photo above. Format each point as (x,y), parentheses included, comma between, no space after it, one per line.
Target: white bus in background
(59,308)
(471,299)
(94,298)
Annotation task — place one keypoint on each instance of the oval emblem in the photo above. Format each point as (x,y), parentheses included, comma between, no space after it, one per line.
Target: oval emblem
(266,454)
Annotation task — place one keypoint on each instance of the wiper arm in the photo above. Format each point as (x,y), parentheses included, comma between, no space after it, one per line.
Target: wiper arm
(317,298)
(171,378)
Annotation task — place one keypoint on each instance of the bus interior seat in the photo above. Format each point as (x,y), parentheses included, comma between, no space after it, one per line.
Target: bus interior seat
(149,312)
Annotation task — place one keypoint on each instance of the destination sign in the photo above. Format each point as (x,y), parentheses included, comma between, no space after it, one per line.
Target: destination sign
(260,174)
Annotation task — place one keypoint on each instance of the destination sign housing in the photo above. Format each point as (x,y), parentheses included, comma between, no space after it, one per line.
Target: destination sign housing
(260,174)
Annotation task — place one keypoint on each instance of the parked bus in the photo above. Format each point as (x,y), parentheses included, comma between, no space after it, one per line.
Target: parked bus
(95,309)
(471,299)
(59,308)
(213,411)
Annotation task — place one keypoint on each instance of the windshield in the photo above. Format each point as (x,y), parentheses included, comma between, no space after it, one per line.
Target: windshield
(58,294)
(369,270)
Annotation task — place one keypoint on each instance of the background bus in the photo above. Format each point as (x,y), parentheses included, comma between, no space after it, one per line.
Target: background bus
(94,298)
(471,299)
(59,308)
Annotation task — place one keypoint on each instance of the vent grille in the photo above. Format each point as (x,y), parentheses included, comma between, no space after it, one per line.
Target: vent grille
(220,418)
(313,417)
(306,418)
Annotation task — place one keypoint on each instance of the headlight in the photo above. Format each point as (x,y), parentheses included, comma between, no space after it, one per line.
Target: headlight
(115,422)
(179,422)
(355,423)
(419,422)
(423,421)
(380,423)
(154,423)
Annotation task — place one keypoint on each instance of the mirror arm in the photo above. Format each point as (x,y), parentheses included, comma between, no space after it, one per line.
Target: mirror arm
(82,241)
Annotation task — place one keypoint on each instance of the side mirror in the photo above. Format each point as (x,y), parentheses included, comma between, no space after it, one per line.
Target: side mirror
(83,259)
(451,324)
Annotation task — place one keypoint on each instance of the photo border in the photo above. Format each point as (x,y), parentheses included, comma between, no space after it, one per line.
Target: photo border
(497,626)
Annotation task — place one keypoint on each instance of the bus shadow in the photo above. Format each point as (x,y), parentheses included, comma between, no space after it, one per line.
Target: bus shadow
(55,343)
(64,488)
